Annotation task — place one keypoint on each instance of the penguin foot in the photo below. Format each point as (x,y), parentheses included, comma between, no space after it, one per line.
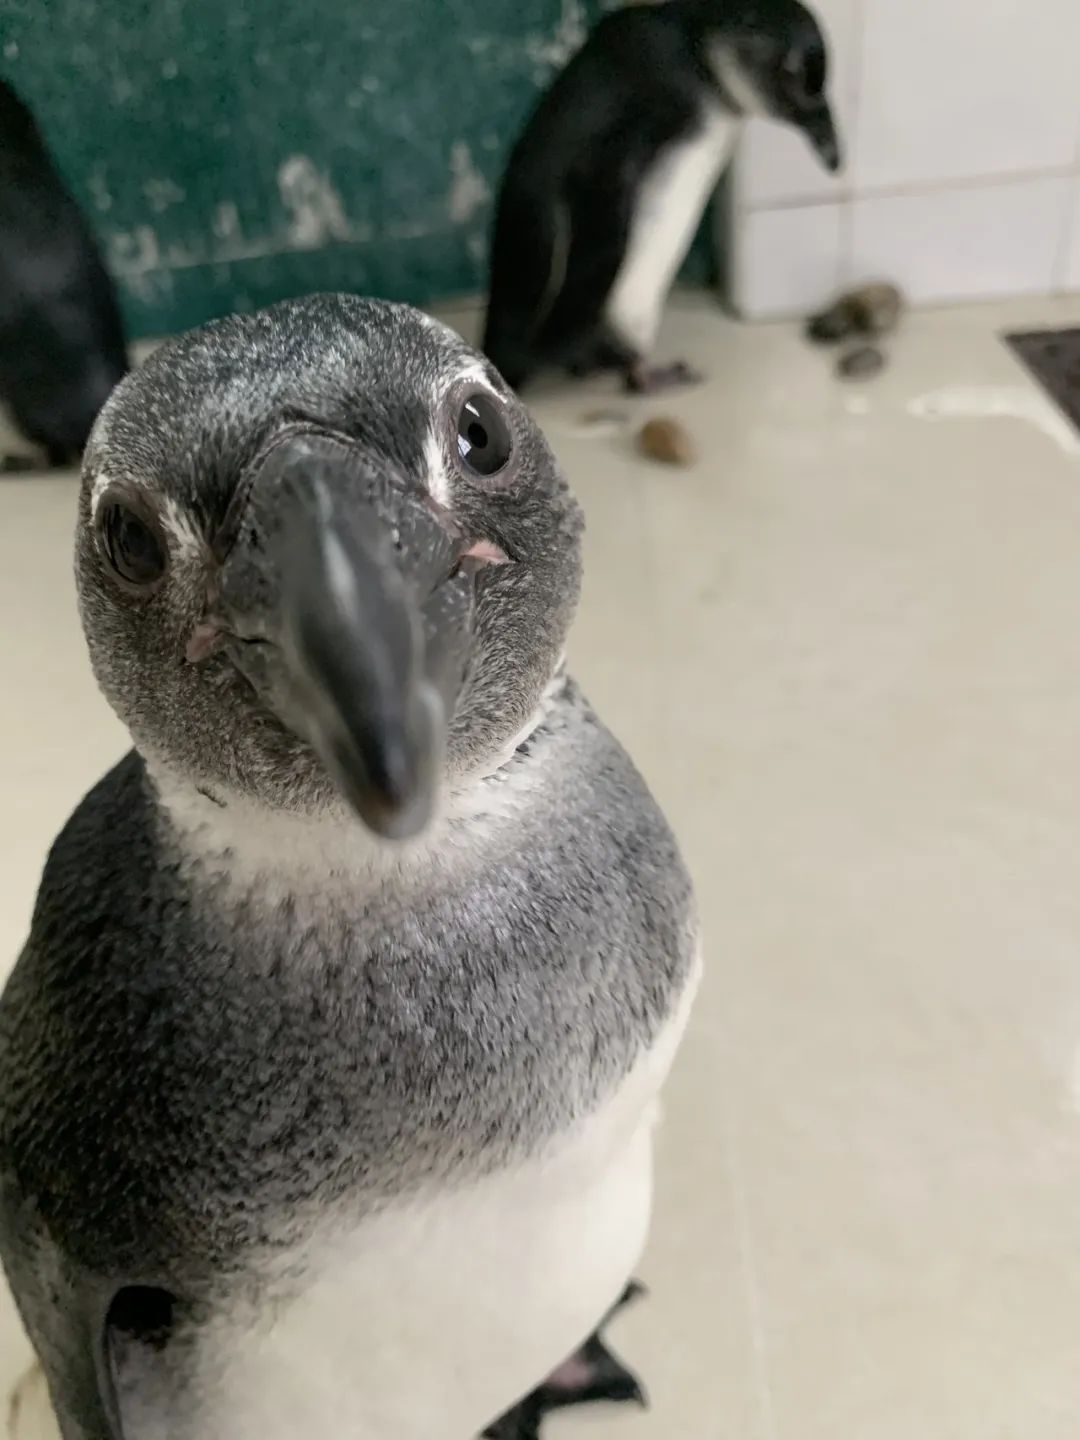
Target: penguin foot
(592,1373)
(642,379)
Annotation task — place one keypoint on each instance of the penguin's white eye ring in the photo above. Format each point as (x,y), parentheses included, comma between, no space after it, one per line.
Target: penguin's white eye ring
(484,439)
(132,543)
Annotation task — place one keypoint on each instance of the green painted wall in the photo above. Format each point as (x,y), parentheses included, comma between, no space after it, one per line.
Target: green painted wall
(232,152)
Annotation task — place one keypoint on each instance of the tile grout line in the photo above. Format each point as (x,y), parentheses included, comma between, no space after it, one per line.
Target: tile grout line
(1060,267)
(855,99)
(1067,236)
(918,187)
(751,1285)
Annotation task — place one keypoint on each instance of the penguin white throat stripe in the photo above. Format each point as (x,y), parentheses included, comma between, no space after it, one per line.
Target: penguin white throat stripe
(328,1071)
(324,859)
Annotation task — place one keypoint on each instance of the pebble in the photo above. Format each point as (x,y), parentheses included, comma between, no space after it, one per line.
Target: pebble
(870,310)
(862,363)
(667,441)
(879,308)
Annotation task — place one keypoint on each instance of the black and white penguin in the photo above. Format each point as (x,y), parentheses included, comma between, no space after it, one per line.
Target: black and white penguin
(607,185)
(61,337)
(328,1072)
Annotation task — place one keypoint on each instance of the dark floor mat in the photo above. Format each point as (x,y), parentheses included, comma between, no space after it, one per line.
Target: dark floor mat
(1053,357)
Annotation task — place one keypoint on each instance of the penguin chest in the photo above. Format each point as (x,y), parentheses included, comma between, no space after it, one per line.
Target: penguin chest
(429,1316)
(667,211)
(432,1318)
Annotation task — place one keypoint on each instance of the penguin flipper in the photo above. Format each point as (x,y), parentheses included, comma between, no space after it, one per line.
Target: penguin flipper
(554,262)
(66,1314)
(528,261)
(70,1394)
(592,1373)
(574,332)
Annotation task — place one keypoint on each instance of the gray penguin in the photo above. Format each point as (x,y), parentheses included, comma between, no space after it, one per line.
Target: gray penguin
(328,1071)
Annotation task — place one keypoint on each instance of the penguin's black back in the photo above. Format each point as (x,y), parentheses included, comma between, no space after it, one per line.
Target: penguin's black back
(61,337)
(636,86)
(634,59)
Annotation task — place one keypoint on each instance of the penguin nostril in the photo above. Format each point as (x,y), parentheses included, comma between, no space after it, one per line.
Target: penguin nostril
(486,552)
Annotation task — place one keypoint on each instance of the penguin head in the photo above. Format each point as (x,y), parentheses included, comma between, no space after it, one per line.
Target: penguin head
(324,555)
(770,58)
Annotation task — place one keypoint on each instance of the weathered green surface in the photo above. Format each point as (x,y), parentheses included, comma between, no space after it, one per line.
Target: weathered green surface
(232,152)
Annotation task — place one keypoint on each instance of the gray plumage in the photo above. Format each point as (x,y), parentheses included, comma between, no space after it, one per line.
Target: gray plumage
(210,1049)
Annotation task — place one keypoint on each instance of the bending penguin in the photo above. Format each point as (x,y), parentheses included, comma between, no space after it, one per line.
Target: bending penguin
(607,185)
(328,1071)
(62,344)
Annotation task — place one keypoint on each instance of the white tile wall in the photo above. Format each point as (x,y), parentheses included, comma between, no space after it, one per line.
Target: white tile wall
(961,122)
(789,260)
(1070,249)
(961,244)
(954,89)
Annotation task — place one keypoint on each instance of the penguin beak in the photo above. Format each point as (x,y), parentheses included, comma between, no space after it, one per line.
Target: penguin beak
(820,130)
(344,602)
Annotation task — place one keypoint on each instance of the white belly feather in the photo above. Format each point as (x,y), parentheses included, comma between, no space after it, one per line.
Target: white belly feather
(427,1320)
(667,212)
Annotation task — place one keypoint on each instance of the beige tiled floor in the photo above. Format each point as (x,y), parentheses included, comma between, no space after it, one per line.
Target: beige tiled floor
(845,651)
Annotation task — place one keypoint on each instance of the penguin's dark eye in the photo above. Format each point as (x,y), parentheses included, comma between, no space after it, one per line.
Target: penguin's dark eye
(814,70)
(483,436)
(804,71)
(133,545)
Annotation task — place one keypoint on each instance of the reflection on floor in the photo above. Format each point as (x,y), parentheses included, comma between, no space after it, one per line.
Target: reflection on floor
(844,650)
